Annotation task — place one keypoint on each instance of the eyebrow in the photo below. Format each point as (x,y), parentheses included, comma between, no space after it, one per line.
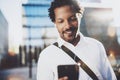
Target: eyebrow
(70,17)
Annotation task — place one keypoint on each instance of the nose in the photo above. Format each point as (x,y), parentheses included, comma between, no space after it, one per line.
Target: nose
(67,24)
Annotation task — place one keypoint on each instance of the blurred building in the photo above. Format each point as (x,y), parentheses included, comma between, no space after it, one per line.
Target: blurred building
(37,26)
(97,23)
(3,36)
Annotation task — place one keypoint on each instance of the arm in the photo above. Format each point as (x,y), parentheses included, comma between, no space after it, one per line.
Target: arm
(106,70)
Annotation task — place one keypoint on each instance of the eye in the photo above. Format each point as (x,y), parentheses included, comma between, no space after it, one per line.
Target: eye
(73,18)
(59,21)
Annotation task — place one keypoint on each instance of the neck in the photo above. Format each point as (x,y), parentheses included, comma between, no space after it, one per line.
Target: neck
(75,40)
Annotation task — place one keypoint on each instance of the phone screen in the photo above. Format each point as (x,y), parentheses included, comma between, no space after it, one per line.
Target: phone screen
(71,71)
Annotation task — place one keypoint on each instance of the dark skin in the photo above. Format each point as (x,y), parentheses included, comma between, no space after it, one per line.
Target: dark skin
(67,23)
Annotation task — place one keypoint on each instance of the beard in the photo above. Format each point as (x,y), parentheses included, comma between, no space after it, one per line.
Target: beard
(69,34)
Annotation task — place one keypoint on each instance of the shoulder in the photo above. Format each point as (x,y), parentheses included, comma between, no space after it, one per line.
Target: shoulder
(49,50)
(96,45)
(93,41)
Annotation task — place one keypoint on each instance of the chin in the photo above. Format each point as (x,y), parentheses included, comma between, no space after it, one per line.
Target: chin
(70,40)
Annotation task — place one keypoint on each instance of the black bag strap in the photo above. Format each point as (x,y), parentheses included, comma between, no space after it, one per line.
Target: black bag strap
(79,61)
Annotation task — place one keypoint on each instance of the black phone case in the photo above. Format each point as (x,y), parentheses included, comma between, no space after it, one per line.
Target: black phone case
(72,71)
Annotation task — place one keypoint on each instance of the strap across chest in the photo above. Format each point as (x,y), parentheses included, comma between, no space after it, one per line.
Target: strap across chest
(78,60)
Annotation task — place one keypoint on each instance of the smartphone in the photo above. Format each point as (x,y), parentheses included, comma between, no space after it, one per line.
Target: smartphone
(71,71)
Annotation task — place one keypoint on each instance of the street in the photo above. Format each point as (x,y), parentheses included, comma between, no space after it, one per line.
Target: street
(21,73)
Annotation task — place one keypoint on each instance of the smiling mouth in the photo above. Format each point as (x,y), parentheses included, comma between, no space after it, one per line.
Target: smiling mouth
(69,31)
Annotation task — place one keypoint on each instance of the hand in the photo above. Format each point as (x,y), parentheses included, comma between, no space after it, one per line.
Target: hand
(63,78)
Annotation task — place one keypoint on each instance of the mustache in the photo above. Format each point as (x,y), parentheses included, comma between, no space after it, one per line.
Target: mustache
(71,29)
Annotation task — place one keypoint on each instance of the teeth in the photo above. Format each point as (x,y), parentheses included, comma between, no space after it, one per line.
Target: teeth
(69,31)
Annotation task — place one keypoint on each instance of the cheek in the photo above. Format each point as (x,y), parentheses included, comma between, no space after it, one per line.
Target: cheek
(59,28)
(75,23)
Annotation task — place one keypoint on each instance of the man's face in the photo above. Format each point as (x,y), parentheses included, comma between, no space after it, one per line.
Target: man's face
(66,22)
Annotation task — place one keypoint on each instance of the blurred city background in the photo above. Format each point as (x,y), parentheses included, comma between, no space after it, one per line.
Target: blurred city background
(25,30)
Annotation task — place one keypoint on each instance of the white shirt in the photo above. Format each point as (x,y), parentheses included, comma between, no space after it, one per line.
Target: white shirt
(89,50)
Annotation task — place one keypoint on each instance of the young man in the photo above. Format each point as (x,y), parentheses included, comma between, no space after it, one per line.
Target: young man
(66,15)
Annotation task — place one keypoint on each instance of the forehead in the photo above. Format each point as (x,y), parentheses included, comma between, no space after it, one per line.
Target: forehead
(63,11)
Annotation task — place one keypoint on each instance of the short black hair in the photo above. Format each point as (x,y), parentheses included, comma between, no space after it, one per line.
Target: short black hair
(58,3)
